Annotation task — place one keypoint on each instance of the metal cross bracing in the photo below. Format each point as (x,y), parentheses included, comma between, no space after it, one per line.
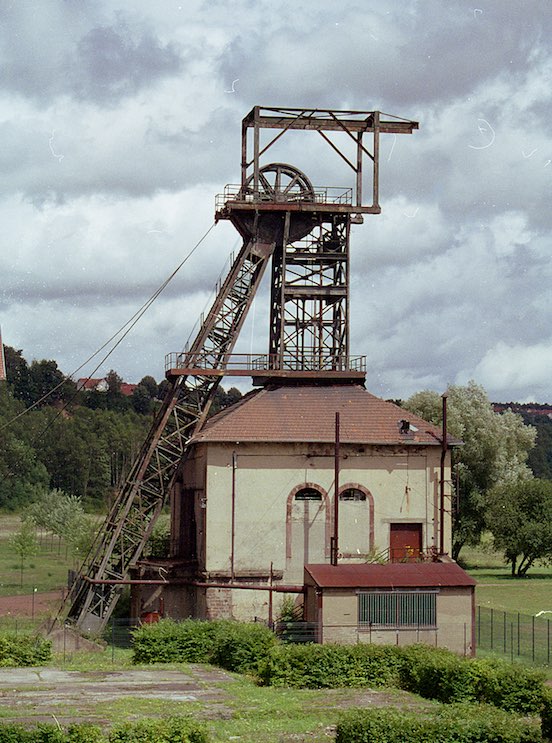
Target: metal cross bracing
(310,280)
(121,540)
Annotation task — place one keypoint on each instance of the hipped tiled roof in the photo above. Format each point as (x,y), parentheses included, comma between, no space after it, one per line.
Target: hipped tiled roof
(307,414)
(390,575)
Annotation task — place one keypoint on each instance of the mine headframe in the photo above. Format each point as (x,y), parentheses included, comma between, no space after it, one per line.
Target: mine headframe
(305,230)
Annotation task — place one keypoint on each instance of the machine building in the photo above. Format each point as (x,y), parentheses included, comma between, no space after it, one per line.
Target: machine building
(309,486)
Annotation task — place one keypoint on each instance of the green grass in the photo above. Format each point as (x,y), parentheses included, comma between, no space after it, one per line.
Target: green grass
(497,589)
(45,571)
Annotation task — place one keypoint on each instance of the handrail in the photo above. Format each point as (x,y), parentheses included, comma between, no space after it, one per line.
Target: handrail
(264,362)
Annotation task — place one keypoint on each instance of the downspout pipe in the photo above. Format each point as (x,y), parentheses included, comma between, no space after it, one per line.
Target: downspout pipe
(233,536)
(335,540)
(444,449)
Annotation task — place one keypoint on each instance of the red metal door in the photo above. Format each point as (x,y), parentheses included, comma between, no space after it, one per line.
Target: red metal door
(405,542)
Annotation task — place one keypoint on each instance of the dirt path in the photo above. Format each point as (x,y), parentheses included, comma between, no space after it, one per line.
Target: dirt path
(22,606)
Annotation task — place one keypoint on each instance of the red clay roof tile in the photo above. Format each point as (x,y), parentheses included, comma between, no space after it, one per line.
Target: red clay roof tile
(307,414)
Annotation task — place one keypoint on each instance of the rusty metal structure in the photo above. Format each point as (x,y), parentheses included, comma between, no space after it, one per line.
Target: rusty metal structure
(303,230)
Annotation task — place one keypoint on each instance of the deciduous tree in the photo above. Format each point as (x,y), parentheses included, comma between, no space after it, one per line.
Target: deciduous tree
(519,516)
(495,451)
(24,543)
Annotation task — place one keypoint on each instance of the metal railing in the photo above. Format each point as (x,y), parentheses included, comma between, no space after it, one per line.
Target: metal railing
(516,636)
(322,195)
(265,362)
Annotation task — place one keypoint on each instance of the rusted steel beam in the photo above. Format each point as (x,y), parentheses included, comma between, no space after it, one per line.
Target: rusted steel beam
(324,119)
(308,124)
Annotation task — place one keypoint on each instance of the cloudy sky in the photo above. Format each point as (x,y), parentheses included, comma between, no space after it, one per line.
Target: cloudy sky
(120,121)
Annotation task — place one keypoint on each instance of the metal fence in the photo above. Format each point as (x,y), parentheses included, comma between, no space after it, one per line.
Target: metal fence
(520,637)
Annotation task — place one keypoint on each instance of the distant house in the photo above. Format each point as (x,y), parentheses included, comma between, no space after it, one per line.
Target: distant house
(92,385)
(102,385)
(127,389)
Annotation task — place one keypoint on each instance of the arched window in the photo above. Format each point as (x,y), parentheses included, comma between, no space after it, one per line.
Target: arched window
(308,494)
(356,520)
(352,494)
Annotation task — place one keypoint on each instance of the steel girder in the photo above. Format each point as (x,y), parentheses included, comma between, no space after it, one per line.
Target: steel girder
(309,302)
(139,501)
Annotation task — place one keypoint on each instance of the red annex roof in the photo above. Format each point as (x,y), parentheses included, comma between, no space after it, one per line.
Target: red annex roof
(390,575)
(307,414)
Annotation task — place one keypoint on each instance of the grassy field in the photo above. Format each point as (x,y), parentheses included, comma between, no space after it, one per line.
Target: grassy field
(497,589)
(45,571)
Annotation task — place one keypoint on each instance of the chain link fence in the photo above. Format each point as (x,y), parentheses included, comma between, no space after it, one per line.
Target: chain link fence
(516,636)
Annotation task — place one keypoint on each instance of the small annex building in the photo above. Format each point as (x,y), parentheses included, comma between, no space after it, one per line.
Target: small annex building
(399,604)
(255,504)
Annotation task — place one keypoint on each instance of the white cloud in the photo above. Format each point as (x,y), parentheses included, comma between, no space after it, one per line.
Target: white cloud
(518,367)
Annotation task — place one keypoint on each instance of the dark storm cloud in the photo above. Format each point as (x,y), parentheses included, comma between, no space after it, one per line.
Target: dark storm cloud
(407,52)
(111,62)
(66,49)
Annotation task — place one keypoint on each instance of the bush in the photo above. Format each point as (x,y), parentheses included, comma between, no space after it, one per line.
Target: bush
(460,723)
(24,650)
(433,673)
(40,734)
(328,666)
(546,714)
(242,647)
(171,730)
(513,688)
(235,646)
(84,732)
(168,641)
(436,673)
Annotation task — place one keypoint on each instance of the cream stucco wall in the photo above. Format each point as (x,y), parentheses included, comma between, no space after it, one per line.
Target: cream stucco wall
(271,527)
(453,630)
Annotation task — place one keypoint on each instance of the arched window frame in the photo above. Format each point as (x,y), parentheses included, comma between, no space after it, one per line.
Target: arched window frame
(326,503)
(369,502)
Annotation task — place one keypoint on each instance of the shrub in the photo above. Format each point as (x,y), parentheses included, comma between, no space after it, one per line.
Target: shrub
(235,646)
(41,734)
(84,732)
(514,688)
(171,730)
(241,647)
(436,673)
(327,666)
(168,641)
(546,714)
(460,723)
(24,650)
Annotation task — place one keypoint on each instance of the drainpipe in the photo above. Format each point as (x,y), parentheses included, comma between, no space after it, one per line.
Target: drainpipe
(334,546)
(233,536)
(442,479)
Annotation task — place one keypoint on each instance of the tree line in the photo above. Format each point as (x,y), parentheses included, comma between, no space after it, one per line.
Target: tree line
(78,442)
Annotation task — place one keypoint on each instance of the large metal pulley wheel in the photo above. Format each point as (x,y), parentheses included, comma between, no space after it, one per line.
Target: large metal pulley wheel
(280,182)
